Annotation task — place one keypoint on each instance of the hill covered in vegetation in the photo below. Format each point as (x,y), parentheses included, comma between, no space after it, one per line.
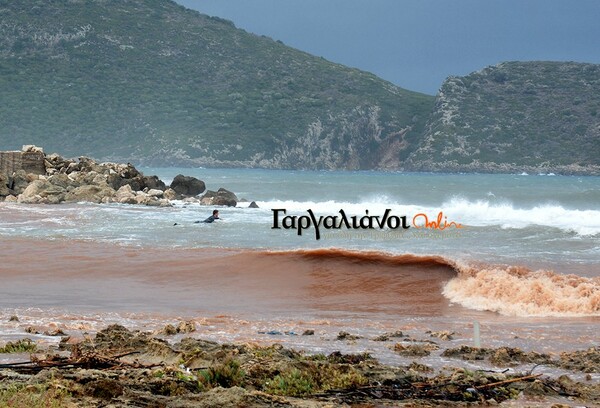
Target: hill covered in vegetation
(516,116)
(151,82)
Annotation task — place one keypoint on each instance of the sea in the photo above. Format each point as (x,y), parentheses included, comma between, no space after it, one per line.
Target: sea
(516,255)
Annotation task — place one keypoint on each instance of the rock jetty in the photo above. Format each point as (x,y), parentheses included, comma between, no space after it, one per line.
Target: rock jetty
(85,180)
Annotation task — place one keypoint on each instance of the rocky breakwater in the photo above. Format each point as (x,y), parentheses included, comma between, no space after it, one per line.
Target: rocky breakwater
(85,180)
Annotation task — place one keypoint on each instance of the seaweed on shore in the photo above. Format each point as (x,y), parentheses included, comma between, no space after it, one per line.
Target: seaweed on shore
(134,368)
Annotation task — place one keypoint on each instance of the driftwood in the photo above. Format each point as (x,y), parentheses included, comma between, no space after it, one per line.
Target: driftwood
(496,384)
(450,390)
(89,359)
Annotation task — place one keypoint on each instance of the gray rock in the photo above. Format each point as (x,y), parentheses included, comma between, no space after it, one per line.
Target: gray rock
(20,181)
(225,197)
(125,195)
(88,165)
(221,197)
(187,185)
(154,183)
(42,191)
(62,180)
(171,194)
(90,193)
(116,181)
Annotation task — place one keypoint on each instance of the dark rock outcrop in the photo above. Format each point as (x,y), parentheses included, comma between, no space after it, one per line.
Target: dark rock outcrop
(221,197)
(187,186)
(153,183)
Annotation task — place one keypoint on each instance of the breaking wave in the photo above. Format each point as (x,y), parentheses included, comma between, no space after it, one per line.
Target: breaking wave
(467,212)
(508,290)
(518,291)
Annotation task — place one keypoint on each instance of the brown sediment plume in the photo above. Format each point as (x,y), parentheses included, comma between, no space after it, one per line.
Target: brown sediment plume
(405,284)
(126,278)
(110,277)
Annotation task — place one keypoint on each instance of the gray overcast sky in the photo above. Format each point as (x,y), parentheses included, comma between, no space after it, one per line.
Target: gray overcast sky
(416,44)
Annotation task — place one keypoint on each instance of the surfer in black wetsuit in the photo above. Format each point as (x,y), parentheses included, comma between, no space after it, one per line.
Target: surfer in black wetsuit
(214,216)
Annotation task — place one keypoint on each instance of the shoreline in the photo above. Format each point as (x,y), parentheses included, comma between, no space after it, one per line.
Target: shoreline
(450,168)
(121,367)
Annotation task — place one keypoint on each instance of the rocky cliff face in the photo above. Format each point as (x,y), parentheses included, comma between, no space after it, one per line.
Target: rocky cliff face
(515,116)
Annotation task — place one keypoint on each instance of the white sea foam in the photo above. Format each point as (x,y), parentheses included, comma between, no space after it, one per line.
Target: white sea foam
(478,213)
(516,291)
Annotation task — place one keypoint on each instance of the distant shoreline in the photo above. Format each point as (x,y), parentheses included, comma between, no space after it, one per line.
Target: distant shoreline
(592,171)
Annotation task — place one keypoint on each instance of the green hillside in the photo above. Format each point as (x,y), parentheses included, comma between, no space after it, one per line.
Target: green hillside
(515,116)
(151,82)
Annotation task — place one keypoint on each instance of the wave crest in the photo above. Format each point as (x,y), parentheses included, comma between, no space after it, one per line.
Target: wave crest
(518,291)
(366,257)
(507,290)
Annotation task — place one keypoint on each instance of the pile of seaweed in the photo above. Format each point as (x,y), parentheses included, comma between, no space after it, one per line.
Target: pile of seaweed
(119,367)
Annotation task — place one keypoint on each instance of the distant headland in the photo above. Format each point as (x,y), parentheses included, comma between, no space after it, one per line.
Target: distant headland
(153,83)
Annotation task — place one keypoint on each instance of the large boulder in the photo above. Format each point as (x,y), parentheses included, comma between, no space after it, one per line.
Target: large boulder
(117,181)
(42,191)
(20,181)
(171,194)
(90,193)
(125,195)
(64,181)
(155,193)
(154,183)
(221,197)
(146,199)
(187,185)
(91,177)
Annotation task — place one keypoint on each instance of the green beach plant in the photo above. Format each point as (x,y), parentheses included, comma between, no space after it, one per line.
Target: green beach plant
(19,346)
